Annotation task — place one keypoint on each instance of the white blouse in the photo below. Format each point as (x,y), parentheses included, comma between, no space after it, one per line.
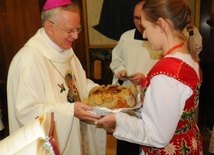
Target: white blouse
(162,108)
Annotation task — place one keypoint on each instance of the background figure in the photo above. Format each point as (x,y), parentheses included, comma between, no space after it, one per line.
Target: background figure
(132,56)
(171,88)
(40,76)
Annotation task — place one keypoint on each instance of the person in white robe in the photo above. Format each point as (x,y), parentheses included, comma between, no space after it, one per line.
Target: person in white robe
(133,55)
(38,82)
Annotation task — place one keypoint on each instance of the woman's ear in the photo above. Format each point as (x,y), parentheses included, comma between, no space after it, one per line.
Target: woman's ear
(163,24)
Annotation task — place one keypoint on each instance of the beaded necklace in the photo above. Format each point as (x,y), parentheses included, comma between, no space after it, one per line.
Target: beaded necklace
(173,48)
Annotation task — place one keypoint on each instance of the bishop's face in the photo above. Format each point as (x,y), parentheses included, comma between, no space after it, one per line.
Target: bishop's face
(64,29)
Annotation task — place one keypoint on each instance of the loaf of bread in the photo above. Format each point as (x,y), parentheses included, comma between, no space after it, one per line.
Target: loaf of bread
(112,96)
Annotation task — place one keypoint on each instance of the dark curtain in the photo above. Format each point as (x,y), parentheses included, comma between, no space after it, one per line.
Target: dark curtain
(116,17)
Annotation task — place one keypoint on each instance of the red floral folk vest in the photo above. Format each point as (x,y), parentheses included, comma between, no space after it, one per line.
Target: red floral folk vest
(187,139)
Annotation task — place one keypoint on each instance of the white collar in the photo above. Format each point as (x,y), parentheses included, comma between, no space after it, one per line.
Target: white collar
(51,43)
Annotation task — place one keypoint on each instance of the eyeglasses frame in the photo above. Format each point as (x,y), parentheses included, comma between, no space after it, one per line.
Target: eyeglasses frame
(72,31)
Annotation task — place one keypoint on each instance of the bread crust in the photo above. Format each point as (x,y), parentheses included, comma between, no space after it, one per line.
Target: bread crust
(112,96)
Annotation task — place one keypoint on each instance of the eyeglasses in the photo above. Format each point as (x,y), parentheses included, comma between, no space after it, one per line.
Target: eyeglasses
(136,18)
(71,31)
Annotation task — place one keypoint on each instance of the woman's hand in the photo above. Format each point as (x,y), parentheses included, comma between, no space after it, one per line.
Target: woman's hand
(108,120)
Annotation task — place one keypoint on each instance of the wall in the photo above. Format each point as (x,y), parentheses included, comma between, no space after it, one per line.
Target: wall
(19,19)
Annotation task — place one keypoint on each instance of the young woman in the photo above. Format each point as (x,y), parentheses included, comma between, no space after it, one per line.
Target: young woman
(170,90)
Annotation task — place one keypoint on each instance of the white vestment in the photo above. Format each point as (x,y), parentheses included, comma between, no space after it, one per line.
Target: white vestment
(34,82)
(133,56)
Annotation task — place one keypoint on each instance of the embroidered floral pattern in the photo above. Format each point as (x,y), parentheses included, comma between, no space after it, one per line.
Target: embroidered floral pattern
(197,95)
(170,149)
(187,139)
(62,87)
(184,149)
